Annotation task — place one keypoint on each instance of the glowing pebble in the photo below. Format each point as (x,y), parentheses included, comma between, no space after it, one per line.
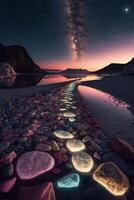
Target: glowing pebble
(63,134)
(82,161)
(69,181)
(75,145)
(112,178)
(71,119)
(69,114)
(33,164)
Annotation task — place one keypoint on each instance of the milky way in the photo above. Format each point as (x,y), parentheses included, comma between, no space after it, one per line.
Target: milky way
(76,27)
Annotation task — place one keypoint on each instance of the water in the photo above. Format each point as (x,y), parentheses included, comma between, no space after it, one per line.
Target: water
(115,117)
(23,81)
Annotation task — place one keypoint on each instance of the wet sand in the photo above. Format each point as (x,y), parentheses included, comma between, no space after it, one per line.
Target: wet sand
(121,87)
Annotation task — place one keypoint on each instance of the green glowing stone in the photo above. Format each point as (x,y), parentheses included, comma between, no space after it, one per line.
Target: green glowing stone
(69,181)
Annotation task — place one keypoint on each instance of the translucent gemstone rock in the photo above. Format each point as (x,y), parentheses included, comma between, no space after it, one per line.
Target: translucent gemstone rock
(75,145)
(63,134)
(33,164)
(112,178)
(69,114)
(82,161)
(69,181)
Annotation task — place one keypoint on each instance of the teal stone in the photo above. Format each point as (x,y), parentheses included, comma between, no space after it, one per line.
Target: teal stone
(69,181)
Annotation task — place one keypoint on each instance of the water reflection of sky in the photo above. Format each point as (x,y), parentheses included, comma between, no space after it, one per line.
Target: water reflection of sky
(53,79)
(114,115)
(59,79)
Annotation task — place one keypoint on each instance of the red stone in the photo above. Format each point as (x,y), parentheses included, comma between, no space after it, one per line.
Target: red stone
(64,158)
(121,147)
(39,192)
(7,185)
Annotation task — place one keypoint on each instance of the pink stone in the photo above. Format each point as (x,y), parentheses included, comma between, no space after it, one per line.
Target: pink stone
(7,185)
(33,164)
(39,192)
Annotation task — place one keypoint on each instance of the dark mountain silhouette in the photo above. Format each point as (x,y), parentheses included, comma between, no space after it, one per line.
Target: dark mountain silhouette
(129,68)
(115,68)
(75,71)
(112,69)
(18,57)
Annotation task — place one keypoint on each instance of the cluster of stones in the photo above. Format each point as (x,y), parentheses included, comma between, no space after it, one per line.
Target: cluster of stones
(45,135)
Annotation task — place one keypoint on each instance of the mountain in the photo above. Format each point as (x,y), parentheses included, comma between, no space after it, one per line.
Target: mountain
(129,68)
(75,71)
(18,57)
(115,68)
(112,69)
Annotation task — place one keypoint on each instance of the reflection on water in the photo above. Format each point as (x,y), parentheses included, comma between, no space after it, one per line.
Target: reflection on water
(113,114)
(31,80)
(92,77)
(54,79)
(20,81)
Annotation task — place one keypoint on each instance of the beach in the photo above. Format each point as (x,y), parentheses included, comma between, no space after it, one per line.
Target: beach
(118,86)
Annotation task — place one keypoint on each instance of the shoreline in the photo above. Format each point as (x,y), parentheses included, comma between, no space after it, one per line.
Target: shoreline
(121,87)
(27,91)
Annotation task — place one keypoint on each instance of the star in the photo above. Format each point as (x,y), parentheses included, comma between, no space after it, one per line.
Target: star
(126,10)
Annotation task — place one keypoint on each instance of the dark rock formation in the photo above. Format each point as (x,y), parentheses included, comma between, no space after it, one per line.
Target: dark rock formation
(129,69)
(75,71)
(18,57)
(115,68)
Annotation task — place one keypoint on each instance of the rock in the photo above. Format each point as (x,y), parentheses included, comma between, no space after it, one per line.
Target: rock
(69,114)
(56,171)
(116,159)
(6,70)
(82,161)
(8,157)
(7,170)
(4,146)
(54,146)
(39,192)
(87,139)
(43,147)
(82,127)
(112,178)
(68,166)
(71,119)
(33,164)
(75,145)
(69,181)
(6,186)
(22,139)
(63,134)
(96,147)
(97,156)
(121,147)
(83,133)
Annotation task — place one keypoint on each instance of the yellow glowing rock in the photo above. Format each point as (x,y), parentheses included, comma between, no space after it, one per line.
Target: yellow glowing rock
(112,178)
(63,134)
(82,161)
(69,114)
(71,119)
(75,145)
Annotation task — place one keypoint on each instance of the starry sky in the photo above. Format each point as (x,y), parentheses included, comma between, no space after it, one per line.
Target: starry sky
(40,26)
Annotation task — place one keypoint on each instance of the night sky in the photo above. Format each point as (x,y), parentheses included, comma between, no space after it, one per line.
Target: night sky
(41,26)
